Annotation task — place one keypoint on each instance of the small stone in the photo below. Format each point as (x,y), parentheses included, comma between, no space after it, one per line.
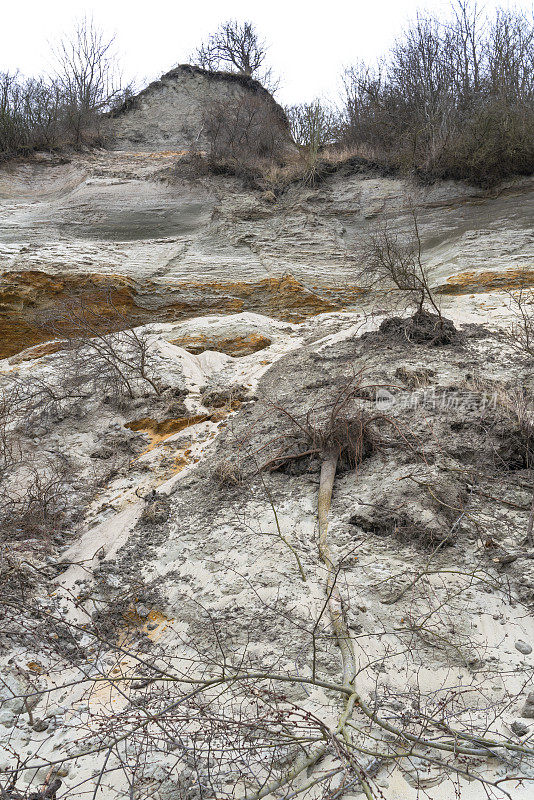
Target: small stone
(519,728)
(141,684)
(142,610)
(505,558)
(15,704)
(524,647)
(528,708)
(54,711)
(7,719)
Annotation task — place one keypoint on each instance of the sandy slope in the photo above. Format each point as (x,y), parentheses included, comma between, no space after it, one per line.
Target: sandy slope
(151,581)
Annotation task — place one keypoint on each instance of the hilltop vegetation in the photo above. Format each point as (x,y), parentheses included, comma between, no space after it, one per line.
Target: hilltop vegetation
(453,99)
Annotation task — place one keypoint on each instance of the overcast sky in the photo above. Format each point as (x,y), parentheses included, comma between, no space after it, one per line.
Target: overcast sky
(310,43)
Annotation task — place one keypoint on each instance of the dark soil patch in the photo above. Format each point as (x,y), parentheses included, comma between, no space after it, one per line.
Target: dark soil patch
(422,328)
(383,521)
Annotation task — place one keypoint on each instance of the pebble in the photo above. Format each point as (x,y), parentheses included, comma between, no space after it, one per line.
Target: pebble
(7,719)
(524,647)
(519,728)
(55,711)
(528,709)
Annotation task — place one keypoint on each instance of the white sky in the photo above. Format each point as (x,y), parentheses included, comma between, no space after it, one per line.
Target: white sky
(309,44)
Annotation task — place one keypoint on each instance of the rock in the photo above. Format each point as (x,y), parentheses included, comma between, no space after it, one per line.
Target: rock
(54,711)
(519,728)
(524,647)
(16,705)
(7,718)
(528,708)
(142,610)
(141,684)
(503,557)
(40,725)
(103,453)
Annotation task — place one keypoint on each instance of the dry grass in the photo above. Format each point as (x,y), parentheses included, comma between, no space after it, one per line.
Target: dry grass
(228,474)
(293,167)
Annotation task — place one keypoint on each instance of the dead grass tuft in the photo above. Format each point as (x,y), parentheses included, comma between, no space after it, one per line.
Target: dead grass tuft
(228,474)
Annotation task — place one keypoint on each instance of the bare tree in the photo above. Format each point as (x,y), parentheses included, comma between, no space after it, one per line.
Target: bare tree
(87,74)
(313,126)
(235,46)
(68,107)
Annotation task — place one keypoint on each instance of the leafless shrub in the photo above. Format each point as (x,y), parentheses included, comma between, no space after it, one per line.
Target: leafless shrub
(394,263)
(518,407)
(520,333)
(327,433)
(156,511)
(102,346)
(31,115)
(244,134)
(453,99)
(34,491)
(38,498)
(34,500)
(228,473)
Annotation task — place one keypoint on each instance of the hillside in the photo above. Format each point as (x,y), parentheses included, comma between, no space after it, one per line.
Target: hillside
(264,530)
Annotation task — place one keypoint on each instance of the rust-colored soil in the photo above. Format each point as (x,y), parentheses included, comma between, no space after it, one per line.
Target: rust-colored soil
(158,431)
(37,351)
(487,281)
(235,346)
(33,303)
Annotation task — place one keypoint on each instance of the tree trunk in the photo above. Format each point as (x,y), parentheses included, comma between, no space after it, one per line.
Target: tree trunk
(335,603)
